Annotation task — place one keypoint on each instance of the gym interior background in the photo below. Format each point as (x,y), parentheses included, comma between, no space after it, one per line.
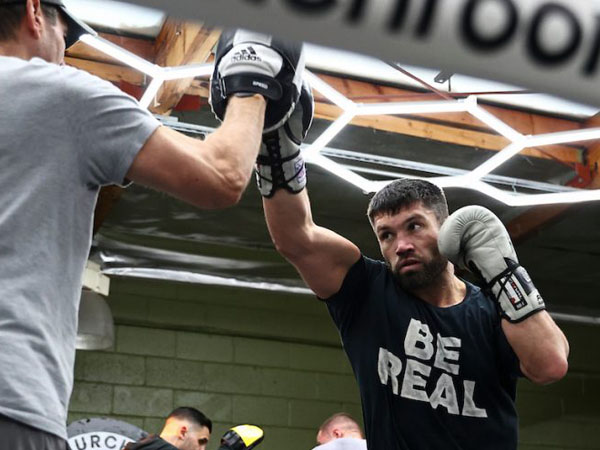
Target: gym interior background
(221,322)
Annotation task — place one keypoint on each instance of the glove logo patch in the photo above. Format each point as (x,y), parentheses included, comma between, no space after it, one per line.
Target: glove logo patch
(300,170)
(517,299)
(246,54)
(264,86)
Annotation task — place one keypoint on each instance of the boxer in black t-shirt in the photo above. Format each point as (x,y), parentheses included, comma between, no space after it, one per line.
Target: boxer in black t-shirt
(435,357)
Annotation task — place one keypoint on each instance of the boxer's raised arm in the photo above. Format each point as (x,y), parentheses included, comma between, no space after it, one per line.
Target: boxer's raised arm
(321,256)
(541,347)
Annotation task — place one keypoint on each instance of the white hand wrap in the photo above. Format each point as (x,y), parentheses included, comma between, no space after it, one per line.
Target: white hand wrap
(475,239)
(280,163)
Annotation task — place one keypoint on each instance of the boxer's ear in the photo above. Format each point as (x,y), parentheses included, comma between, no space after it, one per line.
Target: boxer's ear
(182,431)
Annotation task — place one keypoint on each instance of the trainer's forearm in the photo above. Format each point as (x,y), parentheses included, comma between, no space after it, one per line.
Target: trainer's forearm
(235,144)
(541,347)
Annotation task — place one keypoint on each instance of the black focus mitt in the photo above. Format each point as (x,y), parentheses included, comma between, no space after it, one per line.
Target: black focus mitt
(248,62)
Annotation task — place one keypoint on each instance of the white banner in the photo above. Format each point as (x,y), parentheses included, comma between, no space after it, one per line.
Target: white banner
(98,440)
(547,46)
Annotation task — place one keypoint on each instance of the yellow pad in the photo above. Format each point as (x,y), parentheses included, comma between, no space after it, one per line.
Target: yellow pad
(249,433)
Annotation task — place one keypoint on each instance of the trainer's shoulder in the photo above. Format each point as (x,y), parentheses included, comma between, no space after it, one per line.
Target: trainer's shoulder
(59,79)
(80,79)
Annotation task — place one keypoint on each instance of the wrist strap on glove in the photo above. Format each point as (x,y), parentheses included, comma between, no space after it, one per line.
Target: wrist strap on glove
(515,294)
(275,172)
(250,84)
(280,164)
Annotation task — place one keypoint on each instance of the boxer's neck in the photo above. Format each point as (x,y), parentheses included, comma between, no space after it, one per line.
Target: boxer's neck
(447,289)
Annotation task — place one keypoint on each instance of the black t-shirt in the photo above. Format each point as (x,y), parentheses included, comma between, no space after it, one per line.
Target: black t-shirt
(430,378)
(152,442)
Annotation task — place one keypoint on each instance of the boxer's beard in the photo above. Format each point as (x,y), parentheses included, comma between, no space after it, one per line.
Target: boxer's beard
(412,281)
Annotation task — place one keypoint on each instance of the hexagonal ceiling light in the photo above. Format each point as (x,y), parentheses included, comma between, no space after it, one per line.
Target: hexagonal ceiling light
(313,152)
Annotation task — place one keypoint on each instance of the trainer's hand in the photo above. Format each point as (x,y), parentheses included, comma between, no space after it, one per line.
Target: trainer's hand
(254,63)
(280,163)
(475,239)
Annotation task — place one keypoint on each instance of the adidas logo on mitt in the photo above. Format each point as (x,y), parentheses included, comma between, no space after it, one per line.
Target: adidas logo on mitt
(247,54)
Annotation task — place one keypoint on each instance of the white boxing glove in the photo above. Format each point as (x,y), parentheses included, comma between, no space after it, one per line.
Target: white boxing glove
(475,239)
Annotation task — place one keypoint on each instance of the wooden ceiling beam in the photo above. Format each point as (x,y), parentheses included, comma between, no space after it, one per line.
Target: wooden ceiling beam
(522,121)
(451,128)
(107,71)
(412,126)
(180,43)
(445,132)
(536,218)
(593,155)
(360,91)
(144,48)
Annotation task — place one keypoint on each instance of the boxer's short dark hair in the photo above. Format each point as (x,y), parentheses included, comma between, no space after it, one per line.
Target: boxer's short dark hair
(406,192)
(193,415)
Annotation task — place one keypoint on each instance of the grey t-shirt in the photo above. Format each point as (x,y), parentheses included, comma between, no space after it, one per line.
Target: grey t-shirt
(63,134)
(343,444)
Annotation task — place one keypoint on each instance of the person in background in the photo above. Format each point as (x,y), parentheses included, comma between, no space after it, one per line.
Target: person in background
(340,432)
(186,428)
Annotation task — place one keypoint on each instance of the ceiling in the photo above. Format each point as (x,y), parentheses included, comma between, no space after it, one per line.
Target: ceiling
(143,233)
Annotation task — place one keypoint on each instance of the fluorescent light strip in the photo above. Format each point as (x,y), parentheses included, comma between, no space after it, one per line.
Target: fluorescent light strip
(471,180)
(497,160)
(365,109)
(121,54)
(442,182)
(328,135)
(201,278)
(480,186)
(329,92)
(366,185)
(455,181)
(431,169)
(580,196)
(150,92)
(188,71)
(563,137)
(532,141)
(508,198)
(511,199)
(495,123)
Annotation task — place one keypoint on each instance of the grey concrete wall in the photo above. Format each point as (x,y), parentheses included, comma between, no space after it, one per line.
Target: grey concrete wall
(249,356)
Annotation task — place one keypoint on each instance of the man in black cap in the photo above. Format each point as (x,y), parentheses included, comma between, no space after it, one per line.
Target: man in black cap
(65,133)
(75,27)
